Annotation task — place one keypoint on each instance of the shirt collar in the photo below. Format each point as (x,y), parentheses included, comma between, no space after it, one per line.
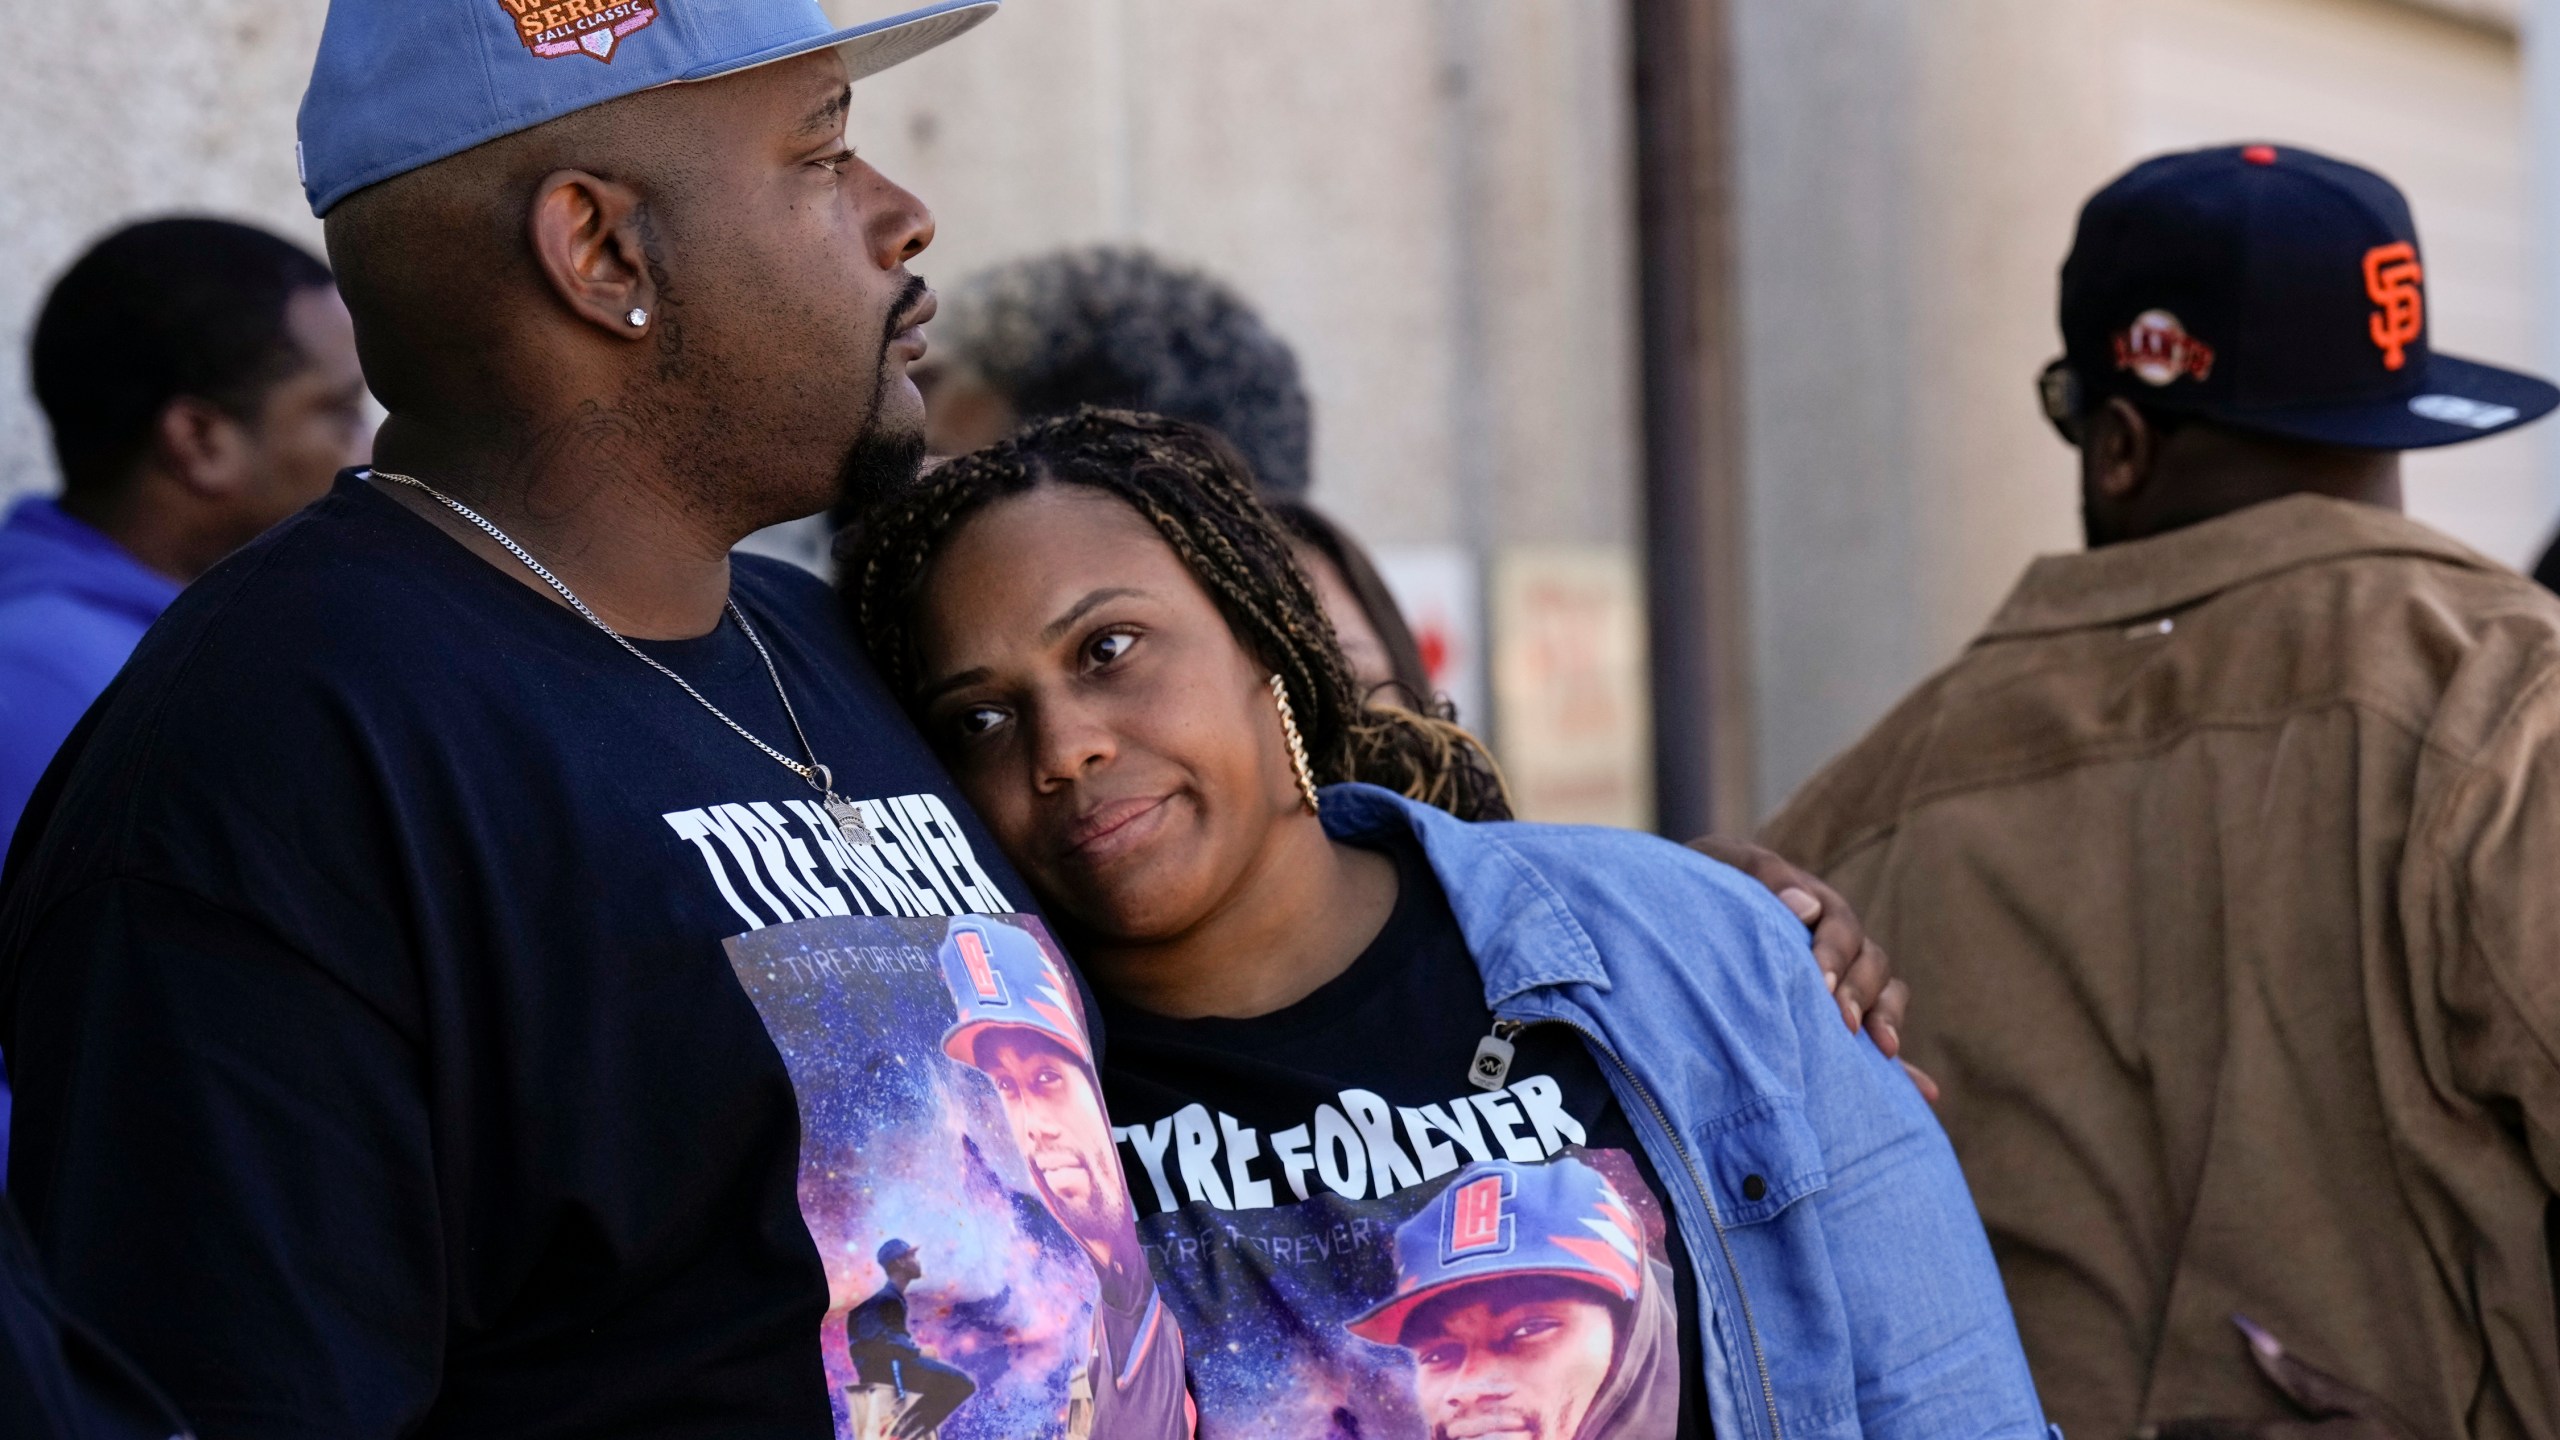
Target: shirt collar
(2125,582)
(1517,924)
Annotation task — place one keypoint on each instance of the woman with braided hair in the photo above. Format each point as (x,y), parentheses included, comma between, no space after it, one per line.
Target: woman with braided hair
(1439,1125)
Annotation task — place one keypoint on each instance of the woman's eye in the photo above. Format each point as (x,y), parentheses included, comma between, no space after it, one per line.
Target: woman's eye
(1109,646)
(834,164)
(979,719)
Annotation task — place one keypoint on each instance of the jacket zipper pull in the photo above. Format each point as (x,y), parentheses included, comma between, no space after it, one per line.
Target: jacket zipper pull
(1491,1069)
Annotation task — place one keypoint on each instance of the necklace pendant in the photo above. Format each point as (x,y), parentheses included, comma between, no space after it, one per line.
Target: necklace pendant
(849,822)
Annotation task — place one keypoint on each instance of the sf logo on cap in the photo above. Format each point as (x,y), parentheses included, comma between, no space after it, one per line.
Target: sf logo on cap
(2158,350)
(2391,276)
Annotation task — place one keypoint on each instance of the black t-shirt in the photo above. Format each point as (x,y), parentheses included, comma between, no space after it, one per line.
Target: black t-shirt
(1362,1241)
(429,1021)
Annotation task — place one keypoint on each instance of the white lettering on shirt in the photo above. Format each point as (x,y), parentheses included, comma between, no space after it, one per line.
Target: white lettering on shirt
(1351,1147)
(790,859)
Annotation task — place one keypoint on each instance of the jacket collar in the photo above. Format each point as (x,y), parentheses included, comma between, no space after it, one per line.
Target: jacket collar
(1517,926)
(2126,582)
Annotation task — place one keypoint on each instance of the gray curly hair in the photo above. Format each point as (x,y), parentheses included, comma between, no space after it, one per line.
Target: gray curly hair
(1121,328)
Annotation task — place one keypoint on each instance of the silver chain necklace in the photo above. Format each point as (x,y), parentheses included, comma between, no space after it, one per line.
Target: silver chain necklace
(847,817)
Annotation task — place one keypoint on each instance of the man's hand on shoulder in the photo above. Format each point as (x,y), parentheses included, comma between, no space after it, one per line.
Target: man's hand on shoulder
(1854,967)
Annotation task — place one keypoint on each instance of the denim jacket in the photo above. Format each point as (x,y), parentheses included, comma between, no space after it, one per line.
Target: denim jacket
(1848,1287)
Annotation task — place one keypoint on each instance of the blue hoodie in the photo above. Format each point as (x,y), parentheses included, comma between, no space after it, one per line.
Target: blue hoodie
(72,604)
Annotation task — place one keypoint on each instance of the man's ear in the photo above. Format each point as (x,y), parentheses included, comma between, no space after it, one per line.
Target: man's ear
(2121,449)
(586,235)
(205,448)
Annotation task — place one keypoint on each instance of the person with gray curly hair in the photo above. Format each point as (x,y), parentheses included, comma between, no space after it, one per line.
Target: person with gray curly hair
(1118,328)
(1121,328)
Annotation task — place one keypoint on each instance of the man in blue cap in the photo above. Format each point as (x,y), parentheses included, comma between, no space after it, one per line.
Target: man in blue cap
(1532,1309)
(381,1069)
(2225,854)
(1021,1023)
(885,1353)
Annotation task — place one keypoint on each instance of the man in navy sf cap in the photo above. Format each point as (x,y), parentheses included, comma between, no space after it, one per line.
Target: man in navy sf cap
(2225,855)
(381,1070)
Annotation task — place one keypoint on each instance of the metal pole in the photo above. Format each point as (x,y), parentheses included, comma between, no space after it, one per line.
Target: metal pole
(1692,418)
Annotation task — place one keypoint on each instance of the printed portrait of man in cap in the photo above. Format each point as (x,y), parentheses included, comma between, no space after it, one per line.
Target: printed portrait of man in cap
(1532,1311)
(1021,1025)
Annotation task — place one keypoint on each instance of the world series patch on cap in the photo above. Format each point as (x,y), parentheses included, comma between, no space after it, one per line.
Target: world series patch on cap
(1500,1221)
(404,83)
(2273,290)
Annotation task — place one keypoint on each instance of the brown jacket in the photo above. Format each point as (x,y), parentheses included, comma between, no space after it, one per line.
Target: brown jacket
(2225,869)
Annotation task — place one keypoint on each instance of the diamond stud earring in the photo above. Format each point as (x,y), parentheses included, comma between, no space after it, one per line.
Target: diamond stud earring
(638,317)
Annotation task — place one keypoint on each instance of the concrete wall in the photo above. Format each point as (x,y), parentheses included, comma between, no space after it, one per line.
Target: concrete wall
(1432,199)
(1439,217)
(118,109)
(1910,175)
(2437,105)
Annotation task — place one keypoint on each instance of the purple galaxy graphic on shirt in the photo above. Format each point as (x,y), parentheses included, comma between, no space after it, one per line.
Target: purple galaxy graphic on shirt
(900,1142)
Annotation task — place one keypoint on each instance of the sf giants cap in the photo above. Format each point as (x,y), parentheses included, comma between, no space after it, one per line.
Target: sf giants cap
(403,83)
(2272,290)
(1003,978)
(1497,1221)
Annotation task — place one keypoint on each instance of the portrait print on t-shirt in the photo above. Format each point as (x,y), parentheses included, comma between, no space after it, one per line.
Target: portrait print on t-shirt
(1480,1275)
(957,1172)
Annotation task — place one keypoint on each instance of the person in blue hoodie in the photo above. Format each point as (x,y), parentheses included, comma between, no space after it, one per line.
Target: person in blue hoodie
(1372,1048)
(200,380)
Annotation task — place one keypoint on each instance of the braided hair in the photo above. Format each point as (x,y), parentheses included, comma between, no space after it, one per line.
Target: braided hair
(1191,485)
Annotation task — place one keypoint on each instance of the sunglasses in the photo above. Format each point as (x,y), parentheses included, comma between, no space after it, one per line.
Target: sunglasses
(2066,406)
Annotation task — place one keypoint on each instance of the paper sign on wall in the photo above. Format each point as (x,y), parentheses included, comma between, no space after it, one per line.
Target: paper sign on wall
(1572,703)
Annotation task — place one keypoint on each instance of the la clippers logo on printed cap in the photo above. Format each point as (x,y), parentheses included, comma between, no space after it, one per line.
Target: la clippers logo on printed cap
(400,84)
(985,984)
(2273,290)
(1478,1224)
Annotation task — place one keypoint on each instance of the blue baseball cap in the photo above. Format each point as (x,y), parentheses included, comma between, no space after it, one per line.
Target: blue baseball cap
(2271,289)
(1500,1221)
(400,84)
(1003,978)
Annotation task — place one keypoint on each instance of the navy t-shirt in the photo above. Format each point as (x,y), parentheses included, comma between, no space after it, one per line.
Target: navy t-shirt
(1365,1240)
(429,1021)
